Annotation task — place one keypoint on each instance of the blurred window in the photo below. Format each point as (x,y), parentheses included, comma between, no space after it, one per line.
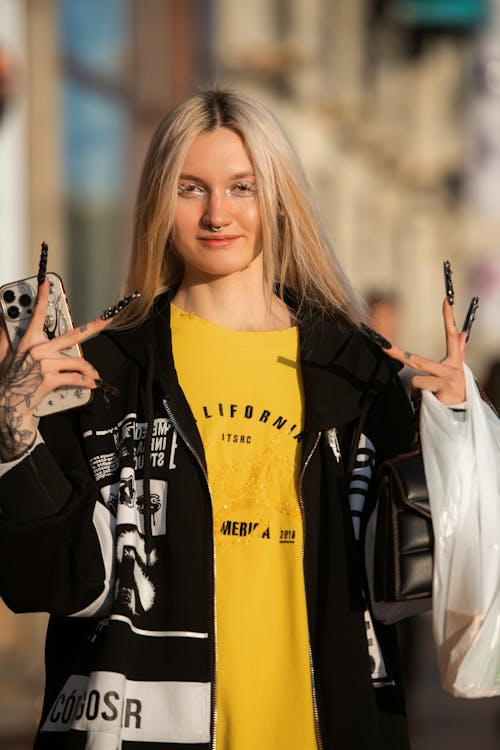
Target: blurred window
(95,38)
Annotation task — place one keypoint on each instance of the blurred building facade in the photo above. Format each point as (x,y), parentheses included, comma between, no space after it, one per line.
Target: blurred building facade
(82,86)
(386,108)
(378,96)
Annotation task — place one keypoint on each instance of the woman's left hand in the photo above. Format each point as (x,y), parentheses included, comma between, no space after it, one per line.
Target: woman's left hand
(446,378)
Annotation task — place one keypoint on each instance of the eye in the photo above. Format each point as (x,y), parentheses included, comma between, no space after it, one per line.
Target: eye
(190,190)
(243,189)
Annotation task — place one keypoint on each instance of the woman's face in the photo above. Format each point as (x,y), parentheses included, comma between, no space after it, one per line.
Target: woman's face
(217,188)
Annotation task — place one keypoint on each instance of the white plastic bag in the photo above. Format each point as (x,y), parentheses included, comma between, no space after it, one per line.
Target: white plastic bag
(462,466)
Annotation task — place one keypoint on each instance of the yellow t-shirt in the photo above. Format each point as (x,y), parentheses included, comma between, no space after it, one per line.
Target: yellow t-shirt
(245,392)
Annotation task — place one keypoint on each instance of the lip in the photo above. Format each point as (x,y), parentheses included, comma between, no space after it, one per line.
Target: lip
(222,239)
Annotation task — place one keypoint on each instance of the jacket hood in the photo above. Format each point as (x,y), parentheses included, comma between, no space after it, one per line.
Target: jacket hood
(341,368)
(134,343)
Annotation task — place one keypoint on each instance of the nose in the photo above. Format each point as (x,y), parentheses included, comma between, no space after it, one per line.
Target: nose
(217,209)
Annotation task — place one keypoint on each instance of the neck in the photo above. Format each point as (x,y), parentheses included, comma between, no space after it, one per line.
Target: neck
(232,304)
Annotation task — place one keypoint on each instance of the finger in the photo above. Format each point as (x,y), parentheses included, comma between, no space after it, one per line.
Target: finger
(452,334)
(34,331)
(77,335)
(40,308)
(418,363)
(69,379)
(427,383)
(67,364)
(462,341)
(71,371)
(449,392)
(86,331)
(5,345)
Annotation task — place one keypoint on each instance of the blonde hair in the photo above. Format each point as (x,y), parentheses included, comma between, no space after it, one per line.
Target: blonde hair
(297,255)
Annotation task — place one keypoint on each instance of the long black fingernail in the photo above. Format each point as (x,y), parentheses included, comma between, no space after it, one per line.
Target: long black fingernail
(103,386)
(448,282)
(376,337)
(42,266)
(110,312)
(470,317)
(107,390)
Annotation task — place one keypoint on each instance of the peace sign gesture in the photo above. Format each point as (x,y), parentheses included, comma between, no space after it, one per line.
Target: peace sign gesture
(37,367)
(445,379)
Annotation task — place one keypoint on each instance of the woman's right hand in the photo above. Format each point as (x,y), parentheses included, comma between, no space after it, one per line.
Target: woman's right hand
(33,370)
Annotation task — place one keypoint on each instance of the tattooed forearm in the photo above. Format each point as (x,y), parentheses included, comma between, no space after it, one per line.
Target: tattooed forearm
(20,377)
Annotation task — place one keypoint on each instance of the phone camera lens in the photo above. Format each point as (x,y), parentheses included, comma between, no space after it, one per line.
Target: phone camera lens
(9,296)
(25,300)
(13,312)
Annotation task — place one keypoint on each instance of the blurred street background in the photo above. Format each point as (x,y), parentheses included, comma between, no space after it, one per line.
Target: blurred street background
(394,107)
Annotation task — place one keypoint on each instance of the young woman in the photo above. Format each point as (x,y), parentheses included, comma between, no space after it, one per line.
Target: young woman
(190,530)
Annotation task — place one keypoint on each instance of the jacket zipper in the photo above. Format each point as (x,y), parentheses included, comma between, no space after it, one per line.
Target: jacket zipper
(311,665)
(97,631)
(205,474)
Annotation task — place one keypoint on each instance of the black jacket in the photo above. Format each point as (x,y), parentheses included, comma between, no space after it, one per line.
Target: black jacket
(108,526)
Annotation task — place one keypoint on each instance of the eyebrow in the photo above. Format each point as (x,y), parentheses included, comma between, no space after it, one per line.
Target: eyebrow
(238,176)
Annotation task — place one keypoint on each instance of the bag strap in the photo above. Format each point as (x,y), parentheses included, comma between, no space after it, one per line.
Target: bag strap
(358,429)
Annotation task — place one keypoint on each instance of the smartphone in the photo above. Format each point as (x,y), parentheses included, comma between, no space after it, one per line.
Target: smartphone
(17,301)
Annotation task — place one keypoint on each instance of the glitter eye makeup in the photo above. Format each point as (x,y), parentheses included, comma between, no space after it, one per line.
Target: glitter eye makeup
(191,191)
(242,190)
(238,190)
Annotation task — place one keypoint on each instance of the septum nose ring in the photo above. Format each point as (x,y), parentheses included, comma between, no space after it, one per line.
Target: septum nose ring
(216,229)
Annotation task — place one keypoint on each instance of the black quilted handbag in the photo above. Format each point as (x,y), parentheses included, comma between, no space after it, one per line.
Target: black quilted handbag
(404,541)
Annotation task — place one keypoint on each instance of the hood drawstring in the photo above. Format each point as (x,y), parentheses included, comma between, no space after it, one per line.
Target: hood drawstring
(146,486)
